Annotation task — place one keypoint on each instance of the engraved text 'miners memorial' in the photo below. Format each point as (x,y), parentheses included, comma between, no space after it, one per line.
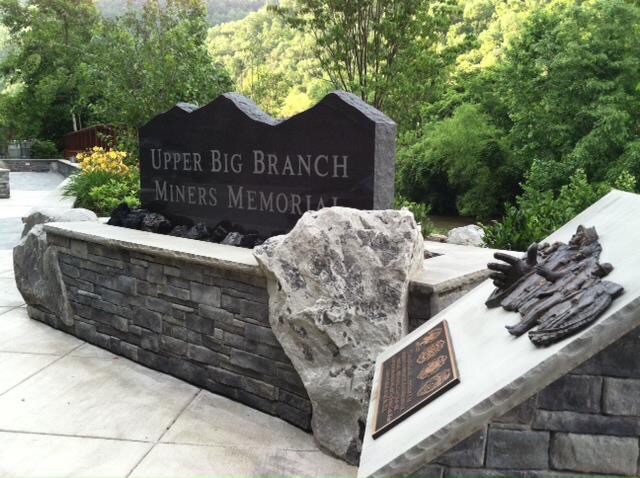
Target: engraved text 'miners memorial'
(230,161)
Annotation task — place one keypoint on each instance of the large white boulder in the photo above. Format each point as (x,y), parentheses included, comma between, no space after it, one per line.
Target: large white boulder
(338,288)
(470,235)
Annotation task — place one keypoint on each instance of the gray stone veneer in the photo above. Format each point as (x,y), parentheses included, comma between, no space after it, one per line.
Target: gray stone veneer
(61,166)
(586,423)
(5,187)
(206,325)
(203,319)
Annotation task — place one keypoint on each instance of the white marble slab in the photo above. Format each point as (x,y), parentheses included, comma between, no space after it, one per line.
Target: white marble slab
(498,371)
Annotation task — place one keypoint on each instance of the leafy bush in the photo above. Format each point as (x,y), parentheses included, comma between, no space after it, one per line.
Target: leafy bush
(104,182)
(44,149)
(102,191)
(116,191)
(569,81)
(460,164)
(538,214)
(420,213)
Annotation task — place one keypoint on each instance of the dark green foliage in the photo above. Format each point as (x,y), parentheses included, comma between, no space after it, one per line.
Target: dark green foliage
(539,86)
(420,212)
(67,68)
(160,60)
(44,149)
(218,11)
(570,85)
(539,213)
(48,40)
(459,164)
(102,191)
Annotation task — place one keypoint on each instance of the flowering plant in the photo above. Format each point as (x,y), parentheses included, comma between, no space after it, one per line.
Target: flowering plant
(99,159)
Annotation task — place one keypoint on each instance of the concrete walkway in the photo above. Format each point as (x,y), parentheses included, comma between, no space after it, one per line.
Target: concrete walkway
(28,190)
(68,408)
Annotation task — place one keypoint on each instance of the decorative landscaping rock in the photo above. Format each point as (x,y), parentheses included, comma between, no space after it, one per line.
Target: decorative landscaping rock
(199,231)
(119,214)
(338,289)
(232,239)
(470,235)
(436,238)
(44,215)
(220,231)
(36,267)
(224,232)
(154,222)
(179,231)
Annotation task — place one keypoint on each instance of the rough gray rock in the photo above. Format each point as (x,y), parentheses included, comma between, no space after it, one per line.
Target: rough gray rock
(517,449)
(576,393)
(594,454)
(36,267)
(43,215)
(621,397)
(338,288)
(38,275)
(468,453)
(470,235)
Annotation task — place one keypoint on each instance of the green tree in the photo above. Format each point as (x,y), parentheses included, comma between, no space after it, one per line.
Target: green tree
(558,79)
(571,85)
(538,213)
(361,43)
(218,11)
(49,39)
(144,62)
(459,164)
(270,62)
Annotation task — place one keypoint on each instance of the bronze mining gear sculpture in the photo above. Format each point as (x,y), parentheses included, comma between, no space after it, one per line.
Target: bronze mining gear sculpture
(557,287)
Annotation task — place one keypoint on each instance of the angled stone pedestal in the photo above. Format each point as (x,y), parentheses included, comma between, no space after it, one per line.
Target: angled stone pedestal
(586,422)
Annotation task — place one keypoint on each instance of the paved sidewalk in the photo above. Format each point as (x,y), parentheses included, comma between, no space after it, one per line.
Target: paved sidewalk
(68,408)
(28,190)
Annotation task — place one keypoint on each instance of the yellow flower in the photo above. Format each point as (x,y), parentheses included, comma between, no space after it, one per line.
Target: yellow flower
(99,159)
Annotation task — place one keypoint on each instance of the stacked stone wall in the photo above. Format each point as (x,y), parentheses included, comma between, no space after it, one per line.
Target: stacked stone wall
(209,325)
(585,423)
(61,166)
(28,165)
(206,325)
(5,187)
(64,167)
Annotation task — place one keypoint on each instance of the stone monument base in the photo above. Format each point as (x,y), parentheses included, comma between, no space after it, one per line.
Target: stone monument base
(198,310)
(576,401)
(587,422)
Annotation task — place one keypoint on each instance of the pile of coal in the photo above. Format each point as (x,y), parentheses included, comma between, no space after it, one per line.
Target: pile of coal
(224,232)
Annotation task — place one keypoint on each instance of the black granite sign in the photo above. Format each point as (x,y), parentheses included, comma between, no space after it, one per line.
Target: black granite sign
(230,161)
(414,376)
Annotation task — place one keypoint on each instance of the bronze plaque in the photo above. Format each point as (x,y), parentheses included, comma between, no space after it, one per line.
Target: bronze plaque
(413,377)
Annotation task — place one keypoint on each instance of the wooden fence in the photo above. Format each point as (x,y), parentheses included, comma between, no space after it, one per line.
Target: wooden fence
(78,141)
